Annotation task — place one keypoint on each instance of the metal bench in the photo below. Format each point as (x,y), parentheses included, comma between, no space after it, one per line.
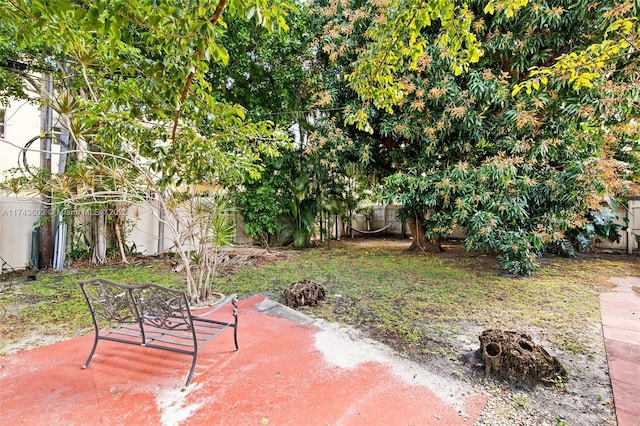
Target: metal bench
(152,316)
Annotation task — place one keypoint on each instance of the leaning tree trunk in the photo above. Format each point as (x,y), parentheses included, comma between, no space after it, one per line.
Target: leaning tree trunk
(100,238)
(420,241)
(118,231)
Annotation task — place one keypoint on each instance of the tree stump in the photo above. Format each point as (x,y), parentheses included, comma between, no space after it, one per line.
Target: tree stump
(492,355)
(509,355)
(304,293)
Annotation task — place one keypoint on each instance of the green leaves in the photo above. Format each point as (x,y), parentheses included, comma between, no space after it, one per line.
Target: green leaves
(268,14)
(583,68)
(359,119)
(508,7)
(473,128)
(218,53)
(538,79)
(395,43)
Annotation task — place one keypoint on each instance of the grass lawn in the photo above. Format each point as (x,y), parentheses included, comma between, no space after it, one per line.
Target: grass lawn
(428,307)
(411,300)
(415,302)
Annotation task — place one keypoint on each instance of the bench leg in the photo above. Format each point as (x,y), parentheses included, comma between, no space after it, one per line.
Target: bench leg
(93,350)
(235,321)
(193,368)
(235,334)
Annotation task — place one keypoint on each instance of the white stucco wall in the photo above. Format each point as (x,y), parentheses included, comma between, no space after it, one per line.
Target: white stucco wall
(21,124)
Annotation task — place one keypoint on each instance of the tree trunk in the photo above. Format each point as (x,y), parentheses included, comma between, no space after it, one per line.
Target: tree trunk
(45,253)
(100,238)
(420,241)
(118,231)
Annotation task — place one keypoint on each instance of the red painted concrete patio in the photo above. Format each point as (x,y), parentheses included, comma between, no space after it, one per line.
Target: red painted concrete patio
(620,310)
(289,370)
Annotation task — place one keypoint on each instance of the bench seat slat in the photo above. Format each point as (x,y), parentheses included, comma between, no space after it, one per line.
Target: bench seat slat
(209,332)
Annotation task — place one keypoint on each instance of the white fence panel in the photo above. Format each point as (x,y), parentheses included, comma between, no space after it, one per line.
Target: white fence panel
(18,216)
(17,219)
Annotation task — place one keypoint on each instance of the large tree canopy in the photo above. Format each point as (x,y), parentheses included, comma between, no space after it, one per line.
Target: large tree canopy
(135,93)
(519,174)
(395,39)
(513,119)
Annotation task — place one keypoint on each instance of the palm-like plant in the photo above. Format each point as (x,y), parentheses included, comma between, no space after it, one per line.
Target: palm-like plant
(209,227)
(303,208)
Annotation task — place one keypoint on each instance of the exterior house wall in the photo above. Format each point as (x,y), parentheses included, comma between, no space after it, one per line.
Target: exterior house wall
(144,226)
(18,215)
(22,124)
(143,231)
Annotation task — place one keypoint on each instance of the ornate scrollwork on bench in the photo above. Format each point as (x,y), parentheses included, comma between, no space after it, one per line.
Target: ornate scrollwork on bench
(164,309)
(153,316)
(110,303)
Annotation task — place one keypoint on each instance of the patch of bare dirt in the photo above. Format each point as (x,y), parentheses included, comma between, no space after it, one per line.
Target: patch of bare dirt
(233,258)
(583,398)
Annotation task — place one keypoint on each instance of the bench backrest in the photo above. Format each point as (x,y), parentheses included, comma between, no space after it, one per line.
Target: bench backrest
(149,304)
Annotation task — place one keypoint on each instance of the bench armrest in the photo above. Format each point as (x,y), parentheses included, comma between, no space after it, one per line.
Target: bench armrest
(230,299)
